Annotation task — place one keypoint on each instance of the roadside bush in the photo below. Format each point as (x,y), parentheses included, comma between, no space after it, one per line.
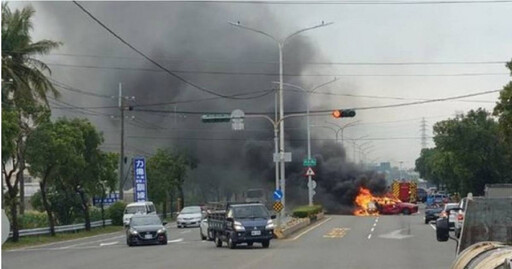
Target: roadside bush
(307,211)
(33,219)
(115,212)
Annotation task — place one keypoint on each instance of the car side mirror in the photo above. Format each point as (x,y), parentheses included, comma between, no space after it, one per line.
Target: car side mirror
(442,229)
(164,222)
(273,217)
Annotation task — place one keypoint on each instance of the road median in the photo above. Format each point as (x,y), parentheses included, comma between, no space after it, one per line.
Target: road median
(297,224)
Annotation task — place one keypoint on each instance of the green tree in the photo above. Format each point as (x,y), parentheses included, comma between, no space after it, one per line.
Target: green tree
(107,178)
(503,110)
(52,149)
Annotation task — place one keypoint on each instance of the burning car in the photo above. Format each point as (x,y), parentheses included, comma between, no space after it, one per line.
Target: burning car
(368,204)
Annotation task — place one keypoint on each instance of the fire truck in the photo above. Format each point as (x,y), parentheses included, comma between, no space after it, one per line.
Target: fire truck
(405,191)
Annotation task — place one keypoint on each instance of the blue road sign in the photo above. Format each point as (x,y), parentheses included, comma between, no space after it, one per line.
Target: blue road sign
(278,195)
(140,186)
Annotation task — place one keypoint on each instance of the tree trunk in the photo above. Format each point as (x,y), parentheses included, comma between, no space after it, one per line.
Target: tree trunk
(102,208)
(182,197)
(14,217)
(21,180)
(85,209)
(46,206)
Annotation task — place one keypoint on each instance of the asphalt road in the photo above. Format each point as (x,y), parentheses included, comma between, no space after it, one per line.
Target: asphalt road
(335,242)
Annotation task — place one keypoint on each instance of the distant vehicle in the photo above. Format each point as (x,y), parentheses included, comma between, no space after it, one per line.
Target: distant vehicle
(146,229)
(242,223)
(432,213)
(460,216)
(405,191)
(189,216)
(398,208)
(422,195)
(139,208)
(437,199)
(446,214)
(256,196)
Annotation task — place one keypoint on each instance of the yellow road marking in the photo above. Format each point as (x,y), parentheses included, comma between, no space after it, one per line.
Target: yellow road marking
(336,233)
(308,230)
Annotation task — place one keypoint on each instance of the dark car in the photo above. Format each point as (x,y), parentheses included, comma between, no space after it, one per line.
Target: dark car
(146,229)
(432,213)
(242,224)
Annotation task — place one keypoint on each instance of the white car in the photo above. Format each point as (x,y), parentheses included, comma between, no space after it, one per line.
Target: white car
(203,230)
(452,217)
(189,216)
(139,208)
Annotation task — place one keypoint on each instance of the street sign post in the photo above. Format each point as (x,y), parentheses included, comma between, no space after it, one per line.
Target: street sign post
(237,120)
(278,206)
(309,162)
(310,172)
(286,156)
(278,195)
(6,227)
(140,187)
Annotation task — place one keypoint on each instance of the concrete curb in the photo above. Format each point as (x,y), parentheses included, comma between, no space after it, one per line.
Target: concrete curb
(299,224)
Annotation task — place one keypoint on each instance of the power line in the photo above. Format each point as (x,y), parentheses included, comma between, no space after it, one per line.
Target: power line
(264,139)
(171,73)
(189,60)
(341,2)
(238,73)
(64,86)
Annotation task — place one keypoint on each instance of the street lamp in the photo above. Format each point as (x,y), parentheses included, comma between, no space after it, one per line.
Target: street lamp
(354,145)
(341,128)
(310,186)
(280,44)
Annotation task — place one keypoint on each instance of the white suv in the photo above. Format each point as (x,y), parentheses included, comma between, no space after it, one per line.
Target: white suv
(460,216)
(139,208)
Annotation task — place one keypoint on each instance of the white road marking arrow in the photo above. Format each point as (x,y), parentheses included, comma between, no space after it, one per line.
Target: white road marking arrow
(395,235)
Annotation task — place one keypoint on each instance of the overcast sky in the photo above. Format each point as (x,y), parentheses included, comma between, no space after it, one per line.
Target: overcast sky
(360,34)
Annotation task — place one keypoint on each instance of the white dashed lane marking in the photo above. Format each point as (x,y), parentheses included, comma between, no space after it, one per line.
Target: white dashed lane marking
(108,244)
(373,228)
(175,241)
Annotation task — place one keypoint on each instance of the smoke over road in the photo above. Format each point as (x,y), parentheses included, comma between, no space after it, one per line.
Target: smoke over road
(196,37)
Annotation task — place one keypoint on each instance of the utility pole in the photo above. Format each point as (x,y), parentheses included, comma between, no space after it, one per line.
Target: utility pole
(121,157)
(423,129)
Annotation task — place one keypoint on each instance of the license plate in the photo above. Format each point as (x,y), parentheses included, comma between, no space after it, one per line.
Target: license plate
(253,233)
(148,236)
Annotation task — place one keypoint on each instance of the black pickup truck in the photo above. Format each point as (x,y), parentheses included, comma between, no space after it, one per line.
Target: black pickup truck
(241,223)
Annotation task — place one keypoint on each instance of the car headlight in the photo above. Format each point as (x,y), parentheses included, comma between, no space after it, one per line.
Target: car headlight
(238,226)
(161,231)
(270,225)
(132,231)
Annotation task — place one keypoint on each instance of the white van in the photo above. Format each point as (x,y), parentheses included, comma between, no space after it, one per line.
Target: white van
(139,208)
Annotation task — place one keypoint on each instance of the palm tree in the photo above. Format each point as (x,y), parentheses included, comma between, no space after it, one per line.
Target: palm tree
(23,75)
(24,94)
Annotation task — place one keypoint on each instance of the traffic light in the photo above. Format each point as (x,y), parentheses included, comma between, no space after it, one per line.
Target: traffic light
(343,113)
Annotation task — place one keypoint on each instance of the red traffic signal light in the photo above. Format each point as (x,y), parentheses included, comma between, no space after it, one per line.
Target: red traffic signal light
(343,113)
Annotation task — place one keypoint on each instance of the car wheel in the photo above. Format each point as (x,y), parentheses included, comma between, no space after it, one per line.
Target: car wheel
(249,244)
(231,244)
(406,211)
(426,221)
(165,241)
(218,241)
(457,233)
(202,236)
(265,244)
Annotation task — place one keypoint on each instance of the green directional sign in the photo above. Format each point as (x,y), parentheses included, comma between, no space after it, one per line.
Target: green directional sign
(217,117)
(309,162)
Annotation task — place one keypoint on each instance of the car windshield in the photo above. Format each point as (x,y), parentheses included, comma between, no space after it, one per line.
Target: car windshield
(191,210)
(245,212)
(145,221)
(135,209)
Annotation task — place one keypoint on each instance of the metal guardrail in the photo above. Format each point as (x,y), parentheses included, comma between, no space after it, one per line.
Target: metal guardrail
(62,228)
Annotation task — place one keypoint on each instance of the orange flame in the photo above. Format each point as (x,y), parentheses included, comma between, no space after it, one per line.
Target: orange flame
(368,204)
